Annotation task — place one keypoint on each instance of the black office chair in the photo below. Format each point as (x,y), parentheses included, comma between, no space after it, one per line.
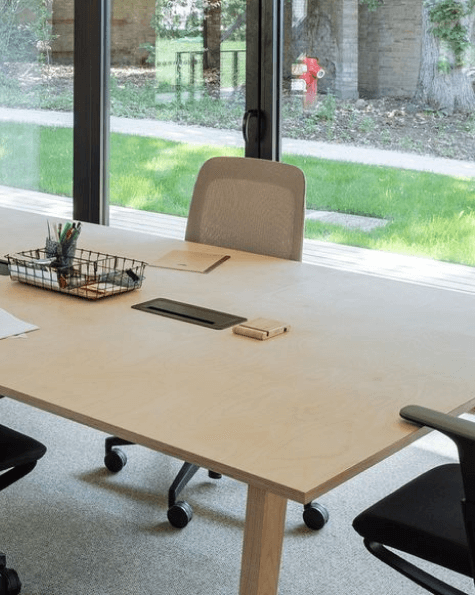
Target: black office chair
(433,516)
(18,456)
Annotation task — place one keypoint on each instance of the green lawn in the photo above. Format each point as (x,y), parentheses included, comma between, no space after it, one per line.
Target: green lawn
(431,215)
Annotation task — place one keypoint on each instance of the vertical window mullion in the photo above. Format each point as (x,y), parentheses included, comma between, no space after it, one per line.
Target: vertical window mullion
(264,78)
(271,78)
(91,111)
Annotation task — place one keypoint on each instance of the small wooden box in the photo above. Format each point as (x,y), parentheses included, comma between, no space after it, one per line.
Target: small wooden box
(261,328)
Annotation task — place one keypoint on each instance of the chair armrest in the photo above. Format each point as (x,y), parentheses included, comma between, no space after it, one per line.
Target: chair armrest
(461,431)
(453,427)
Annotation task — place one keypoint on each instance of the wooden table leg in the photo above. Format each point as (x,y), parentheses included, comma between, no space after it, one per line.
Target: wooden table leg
(263,537)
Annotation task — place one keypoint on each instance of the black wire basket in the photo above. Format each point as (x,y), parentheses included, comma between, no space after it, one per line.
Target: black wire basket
(90,275)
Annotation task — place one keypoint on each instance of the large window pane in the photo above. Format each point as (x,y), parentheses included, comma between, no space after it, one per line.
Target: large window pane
(353,102)
(36,94)
(177,97)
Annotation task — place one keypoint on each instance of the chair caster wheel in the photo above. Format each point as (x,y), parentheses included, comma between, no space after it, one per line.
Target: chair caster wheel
(9,582)
(315,516)
(180,514)
(214,475)
(115,460)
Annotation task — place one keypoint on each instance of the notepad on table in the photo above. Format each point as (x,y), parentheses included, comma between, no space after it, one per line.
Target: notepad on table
(184,260)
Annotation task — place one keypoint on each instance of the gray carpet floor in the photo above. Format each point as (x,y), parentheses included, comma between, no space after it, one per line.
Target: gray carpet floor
(72,528)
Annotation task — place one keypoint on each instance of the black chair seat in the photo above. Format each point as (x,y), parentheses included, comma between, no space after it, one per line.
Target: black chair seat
(17,449)
(423,518)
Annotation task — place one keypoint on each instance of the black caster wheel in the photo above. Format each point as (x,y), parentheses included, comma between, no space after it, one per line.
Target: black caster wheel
(315,516)
(115,460)
(9,582)
(180,514)
(214,475)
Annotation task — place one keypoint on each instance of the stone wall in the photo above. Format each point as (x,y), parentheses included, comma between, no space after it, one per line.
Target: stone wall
(130,27)
(389,49)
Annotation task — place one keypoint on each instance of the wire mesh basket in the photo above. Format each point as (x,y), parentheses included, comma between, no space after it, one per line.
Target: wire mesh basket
(90,275)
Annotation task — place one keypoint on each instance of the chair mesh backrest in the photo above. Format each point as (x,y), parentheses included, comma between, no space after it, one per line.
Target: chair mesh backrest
(248,204)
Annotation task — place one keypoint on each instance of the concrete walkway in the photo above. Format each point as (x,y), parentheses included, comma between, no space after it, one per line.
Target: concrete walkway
(216,137)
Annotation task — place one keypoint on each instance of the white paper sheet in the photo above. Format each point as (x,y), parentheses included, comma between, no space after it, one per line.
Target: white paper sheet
(11,326)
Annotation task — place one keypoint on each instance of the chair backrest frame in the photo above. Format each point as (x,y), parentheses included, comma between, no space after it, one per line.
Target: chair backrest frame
(249,204)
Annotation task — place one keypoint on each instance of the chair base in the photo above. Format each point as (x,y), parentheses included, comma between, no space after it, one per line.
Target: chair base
(180,513)
(9,582)
(415,574)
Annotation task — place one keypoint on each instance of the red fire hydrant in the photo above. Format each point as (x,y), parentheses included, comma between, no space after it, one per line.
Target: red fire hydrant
(313,72)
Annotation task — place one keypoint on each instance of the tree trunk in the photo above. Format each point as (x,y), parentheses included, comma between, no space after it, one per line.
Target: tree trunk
(449,92)
(212,47)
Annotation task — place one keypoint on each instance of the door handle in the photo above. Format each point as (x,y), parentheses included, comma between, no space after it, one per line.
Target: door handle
(253,113)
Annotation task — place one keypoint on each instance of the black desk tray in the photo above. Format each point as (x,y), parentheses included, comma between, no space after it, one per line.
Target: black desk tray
(190,313)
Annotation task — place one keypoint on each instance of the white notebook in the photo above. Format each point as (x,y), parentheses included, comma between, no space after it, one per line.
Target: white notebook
(187,260)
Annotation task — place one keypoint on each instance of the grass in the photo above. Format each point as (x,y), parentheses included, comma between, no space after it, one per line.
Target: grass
(430,215)
(167,49)
(155,175)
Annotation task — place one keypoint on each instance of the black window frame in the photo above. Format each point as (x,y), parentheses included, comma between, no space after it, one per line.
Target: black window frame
(262,121)
(91,111)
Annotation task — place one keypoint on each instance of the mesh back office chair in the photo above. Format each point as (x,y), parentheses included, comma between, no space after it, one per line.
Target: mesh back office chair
(244,204)
(18,456)
(431,517)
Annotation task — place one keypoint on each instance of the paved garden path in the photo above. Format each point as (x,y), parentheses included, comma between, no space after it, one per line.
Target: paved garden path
(215,136)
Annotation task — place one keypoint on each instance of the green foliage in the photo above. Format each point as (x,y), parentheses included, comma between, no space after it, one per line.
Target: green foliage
(24,29)
(446,18)
(173,20)
(367,124)
(326,109)
(178,19)
(371,4)
(233,13)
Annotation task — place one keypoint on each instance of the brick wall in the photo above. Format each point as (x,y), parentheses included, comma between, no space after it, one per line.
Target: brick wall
(389,49)
(130,27)
(63,31)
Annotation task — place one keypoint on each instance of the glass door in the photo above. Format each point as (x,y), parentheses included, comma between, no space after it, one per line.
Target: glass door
(178,80)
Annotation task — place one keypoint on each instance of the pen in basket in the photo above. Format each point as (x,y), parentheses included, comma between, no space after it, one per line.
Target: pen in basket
(62,245)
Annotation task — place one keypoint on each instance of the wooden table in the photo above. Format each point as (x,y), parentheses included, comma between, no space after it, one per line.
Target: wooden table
(292,417)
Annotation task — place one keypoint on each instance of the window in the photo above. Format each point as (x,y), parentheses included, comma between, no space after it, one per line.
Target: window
(36,95)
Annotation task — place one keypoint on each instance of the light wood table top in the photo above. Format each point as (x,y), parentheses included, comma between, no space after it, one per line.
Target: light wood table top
(292,417)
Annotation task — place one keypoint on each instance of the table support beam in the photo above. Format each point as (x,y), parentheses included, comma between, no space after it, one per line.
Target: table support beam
(263,537)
